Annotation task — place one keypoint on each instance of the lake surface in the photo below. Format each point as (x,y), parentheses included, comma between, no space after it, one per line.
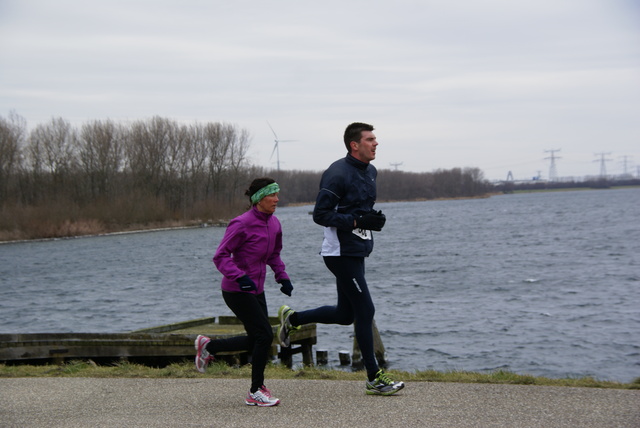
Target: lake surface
(543,283)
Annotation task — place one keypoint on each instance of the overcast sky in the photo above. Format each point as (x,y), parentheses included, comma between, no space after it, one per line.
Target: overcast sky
(492,84)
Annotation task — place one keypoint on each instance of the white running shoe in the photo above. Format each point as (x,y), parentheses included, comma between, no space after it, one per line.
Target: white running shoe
(266,391)
(261,398)
(383,385)
(203,357)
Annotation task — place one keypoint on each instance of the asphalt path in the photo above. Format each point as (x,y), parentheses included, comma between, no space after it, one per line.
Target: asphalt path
(95,402)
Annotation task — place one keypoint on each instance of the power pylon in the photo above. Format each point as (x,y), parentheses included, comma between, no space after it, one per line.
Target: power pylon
(603,166)
(553,173)
(625,165)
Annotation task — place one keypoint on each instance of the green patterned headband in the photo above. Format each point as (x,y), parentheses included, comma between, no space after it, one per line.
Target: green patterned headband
(269,189)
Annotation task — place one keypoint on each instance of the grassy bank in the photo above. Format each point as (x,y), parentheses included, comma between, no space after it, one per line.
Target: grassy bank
(276,371)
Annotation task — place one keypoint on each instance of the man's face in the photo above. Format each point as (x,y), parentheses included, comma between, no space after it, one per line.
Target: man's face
(365,149)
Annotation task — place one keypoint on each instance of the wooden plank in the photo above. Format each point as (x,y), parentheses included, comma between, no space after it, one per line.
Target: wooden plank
(230,320)
(90,345)
(169,341)
(177,326)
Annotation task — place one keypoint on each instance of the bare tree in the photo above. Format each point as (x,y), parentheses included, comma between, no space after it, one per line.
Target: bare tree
(12,135)
(238,143)
(196,156)
(179,171)
(218,148)
(100,153)
(473,182)
(51,148)
(147,153)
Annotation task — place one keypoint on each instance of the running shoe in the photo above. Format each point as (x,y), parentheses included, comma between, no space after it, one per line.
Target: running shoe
(266,391)
(285,329)
(260,399)
(383,385)
(203,357)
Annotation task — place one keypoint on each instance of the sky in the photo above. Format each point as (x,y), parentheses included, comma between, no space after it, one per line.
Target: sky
(499,85)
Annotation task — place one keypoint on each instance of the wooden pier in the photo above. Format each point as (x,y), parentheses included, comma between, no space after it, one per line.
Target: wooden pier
(156,346)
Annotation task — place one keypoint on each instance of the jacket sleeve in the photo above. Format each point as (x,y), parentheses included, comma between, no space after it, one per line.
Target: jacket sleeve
(234,236)
(325,212)
(274,261)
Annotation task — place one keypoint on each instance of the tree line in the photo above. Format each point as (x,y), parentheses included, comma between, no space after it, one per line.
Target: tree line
(61,180)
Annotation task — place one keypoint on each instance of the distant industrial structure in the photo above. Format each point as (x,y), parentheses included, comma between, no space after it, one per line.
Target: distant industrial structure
(553,172)
(603,165)
(276,147)
(554,178)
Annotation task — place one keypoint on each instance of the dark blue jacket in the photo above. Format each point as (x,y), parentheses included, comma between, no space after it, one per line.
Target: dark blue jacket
(347,190)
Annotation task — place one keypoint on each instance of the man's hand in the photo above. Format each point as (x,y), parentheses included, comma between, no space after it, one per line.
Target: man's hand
(373,220)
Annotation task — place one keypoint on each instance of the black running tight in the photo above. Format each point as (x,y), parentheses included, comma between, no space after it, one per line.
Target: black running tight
(354,305)
(251,309)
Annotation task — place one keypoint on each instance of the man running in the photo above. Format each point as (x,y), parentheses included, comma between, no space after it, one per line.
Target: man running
(344,206)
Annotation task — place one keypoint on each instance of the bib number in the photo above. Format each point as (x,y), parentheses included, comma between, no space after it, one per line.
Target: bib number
(362,234)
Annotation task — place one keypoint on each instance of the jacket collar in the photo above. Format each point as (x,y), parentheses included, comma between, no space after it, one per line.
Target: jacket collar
(355,162)
(259,214)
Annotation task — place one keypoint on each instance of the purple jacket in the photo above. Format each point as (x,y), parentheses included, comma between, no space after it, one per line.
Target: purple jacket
(252,241)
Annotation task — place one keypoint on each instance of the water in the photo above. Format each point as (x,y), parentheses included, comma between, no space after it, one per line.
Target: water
(545,284)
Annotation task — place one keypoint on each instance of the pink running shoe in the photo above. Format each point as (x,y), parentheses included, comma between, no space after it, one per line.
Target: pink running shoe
(260,399)
(265,391)
(203,357)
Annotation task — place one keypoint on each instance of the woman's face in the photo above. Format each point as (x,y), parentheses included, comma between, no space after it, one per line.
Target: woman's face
(268,204)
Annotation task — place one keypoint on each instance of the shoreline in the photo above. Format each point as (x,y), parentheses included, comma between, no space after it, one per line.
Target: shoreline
(191,224)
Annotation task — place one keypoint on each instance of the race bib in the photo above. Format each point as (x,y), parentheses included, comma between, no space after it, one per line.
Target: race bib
(362,233)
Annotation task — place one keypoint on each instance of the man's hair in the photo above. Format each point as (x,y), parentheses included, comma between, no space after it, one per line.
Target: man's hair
(354,133)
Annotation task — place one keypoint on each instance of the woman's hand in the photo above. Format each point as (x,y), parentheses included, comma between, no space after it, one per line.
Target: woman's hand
(287,287)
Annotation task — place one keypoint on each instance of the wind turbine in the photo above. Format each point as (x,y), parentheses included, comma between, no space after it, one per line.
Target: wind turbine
(276,147)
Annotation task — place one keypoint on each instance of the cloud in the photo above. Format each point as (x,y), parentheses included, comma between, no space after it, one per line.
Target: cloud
(489,83)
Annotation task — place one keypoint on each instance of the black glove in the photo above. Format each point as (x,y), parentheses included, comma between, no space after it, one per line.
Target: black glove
(246,283)
(373,220)
(287,287)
